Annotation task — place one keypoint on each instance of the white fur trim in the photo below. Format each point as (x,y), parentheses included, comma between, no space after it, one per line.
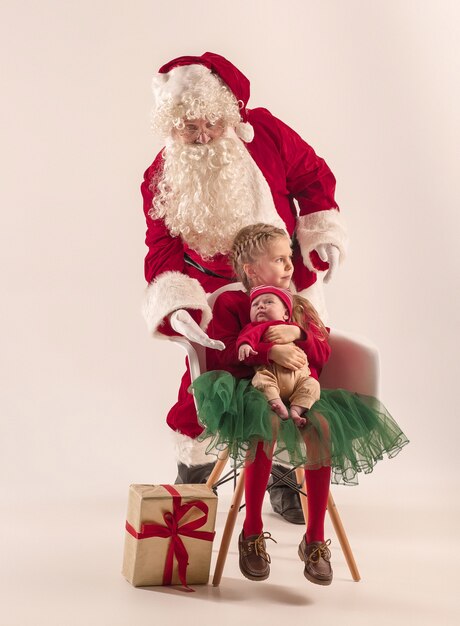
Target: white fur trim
(177,81)
(190,451)
(245,131)
(321,227)
(172,291)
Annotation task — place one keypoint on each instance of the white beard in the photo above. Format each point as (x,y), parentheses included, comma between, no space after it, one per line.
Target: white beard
(207,193)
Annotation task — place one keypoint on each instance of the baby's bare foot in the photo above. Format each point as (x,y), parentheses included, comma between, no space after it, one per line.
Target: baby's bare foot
(296,414)
(279,408)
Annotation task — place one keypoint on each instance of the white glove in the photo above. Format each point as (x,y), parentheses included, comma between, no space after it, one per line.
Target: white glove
(330,254)
(184,324)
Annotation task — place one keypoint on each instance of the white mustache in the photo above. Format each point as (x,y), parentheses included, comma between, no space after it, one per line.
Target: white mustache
(217,153)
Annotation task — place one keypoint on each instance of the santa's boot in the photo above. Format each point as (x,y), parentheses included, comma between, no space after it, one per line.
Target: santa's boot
(194,465)
(284,500)
(193,474)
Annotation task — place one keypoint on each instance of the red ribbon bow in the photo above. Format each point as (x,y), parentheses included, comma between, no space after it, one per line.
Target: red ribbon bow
(173,529)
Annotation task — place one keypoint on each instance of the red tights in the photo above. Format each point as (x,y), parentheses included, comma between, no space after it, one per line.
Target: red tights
(257,474)
(317,485)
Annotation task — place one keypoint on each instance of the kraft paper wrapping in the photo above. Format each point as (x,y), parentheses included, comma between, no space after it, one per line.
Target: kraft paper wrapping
(144,559)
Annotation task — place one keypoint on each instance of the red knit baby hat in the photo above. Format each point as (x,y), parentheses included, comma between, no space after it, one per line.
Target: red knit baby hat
(284,294)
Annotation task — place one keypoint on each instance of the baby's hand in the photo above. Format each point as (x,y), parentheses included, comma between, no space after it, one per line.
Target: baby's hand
(244,351)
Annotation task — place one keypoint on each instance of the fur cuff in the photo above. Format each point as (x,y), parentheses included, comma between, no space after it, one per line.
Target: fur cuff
(172,291)
(320,228)
(192,452)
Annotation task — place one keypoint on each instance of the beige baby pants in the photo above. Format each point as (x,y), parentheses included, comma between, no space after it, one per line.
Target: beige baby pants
(295,386)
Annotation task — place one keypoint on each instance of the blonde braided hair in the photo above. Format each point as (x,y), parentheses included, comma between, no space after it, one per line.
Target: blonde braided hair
(250,243)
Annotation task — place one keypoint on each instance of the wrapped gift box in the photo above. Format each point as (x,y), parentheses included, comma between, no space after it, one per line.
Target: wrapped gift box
(169,534)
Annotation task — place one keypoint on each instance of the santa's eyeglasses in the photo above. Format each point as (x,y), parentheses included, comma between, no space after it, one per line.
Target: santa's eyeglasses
(193,131)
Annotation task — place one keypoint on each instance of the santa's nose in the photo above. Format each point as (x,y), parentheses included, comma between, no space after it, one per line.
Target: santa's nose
(203,138)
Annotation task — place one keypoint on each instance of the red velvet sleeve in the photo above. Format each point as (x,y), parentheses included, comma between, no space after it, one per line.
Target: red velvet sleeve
(308,177)
(316,348)
(252,335)
(165,253)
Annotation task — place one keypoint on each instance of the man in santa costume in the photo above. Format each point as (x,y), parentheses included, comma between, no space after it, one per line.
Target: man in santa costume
(223,167)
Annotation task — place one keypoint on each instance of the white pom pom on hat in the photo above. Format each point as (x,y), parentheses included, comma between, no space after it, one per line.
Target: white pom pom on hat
(245,131)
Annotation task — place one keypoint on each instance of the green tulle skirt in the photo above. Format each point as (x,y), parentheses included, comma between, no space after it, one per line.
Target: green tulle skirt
(348,431)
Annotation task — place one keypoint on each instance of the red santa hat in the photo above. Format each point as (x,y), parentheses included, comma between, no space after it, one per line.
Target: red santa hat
(283,294)
(181,77)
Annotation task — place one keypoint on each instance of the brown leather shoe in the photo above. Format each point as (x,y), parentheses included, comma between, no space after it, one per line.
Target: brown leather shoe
(254,559)
(317,558)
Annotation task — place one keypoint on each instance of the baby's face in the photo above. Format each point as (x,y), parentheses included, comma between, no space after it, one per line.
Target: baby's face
(268,307)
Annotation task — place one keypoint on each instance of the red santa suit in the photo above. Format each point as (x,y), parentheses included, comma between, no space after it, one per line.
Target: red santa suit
(289,172)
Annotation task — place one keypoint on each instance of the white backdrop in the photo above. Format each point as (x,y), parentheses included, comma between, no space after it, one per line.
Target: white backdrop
(373,86)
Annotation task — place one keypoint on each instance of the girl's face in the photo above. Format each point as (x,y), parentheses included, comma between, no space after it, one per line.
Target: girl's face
(274,267)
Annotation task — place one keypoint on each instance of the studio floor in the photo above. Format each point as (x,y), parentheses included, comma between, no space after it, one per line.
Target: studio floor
(61,566)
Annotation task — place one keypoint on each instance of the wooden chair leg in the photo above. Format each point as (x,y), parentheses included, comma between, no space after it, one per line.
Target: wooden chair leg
(218,469)
(228,530)
(300,477)
(342,537)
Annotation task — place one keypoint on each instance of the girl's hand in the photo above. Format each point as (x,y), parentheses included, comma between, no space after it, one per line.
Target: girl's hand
(244,351)
(286,333)
(289,356)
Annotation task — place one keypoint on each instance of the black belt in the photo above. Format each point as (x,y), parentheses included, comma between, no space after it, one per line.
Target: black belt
(205,270)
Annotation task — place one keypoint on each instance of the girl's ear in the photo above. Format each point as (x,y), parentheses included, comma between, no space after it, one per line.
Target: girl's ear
(249,270)
(286,316)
